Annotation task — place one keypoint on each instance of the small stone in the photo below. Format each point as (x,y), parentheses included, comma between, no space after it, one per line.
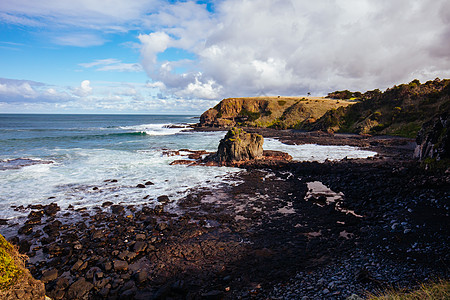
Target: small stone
(49,275)
(149,183)
(141,186)
(108,266)
(140,236)
(139,246)
(120,265)
(123,254)
(77,265)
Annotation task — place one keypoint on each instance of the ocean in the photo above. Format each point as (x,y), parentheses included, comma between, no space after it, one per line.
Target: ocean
(85,160)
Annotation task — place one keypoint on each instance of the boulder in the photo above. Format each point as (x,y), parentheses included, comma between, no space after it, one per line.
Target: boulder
(79,289)
(238,145)
(433,139)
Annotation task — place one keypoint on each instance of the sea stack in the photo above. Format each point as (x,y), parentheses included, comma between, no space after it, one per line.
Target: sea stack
(238,145)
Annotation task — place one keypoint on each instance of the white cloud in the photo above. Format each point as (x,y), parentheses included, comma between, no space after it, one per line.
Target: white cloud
(201,90)
(112,64)
(79,39)
(27,91)
(84,89)
(115,15)
(294,47)
(152,44)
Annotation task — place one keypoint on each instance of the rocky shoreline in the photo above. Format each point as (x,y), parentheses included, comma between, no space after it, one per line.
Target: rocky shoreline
(284,231)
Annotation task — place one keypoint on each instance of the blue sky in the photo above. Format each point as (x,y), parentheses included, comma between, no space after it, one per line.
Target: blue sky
(182,57)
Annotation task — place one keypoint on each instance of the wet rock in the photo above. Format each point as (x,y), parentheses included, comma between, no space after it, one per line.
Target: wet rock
(276,155)
(117,209)
(107,203)
(51,209)
(27,229)
(163,199)
(35,214)
(79,289)
(3,222)
(33,221)
(24,246)
(149,183)
(53,228)
(141,186)
(182,162)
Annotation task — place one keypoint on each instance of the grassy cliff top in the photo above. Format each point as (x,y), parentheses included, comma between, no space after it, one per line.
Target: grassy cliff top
(275,111)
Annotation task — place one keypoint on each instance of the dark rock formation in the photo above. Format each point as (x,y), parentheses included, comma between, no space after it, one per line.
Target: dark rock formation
(238,145)
(433,140)
(237,149)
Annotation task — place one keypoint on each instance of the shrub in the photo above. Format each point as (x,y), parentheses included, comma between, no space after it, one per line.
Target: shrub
(436,290)
(11,264)
(251,116)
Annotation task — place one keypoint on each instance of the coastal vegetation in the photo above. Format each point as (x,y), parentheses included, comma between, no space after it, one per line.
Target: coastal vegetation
(16,282)
(400,110)
(11,264)
(435,290)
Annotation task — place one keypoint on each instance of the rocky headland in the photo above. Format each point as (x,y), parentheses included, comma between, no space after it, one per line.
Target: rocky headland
(269,112)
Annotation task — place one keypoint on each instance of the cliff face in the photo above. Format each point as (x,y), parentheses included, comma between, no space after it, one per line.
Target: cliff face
(433,140)
(275,112)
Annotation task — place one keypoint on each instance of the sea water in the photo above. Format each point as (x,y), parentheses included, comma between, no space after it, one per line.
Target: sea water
(85,160)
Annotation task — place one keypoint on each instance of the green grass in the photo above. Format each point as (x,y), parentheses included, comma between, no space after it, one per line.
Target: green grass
(432,291)
(11,264)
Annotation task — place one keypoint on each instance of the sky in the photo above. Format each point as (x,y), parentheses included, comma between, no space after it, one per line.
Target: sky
(183,57)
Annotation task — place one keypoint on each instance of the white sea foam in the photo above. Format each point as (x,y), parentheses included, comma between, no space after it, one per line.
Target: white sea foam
(72,181)
(319,153)
(157,129)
